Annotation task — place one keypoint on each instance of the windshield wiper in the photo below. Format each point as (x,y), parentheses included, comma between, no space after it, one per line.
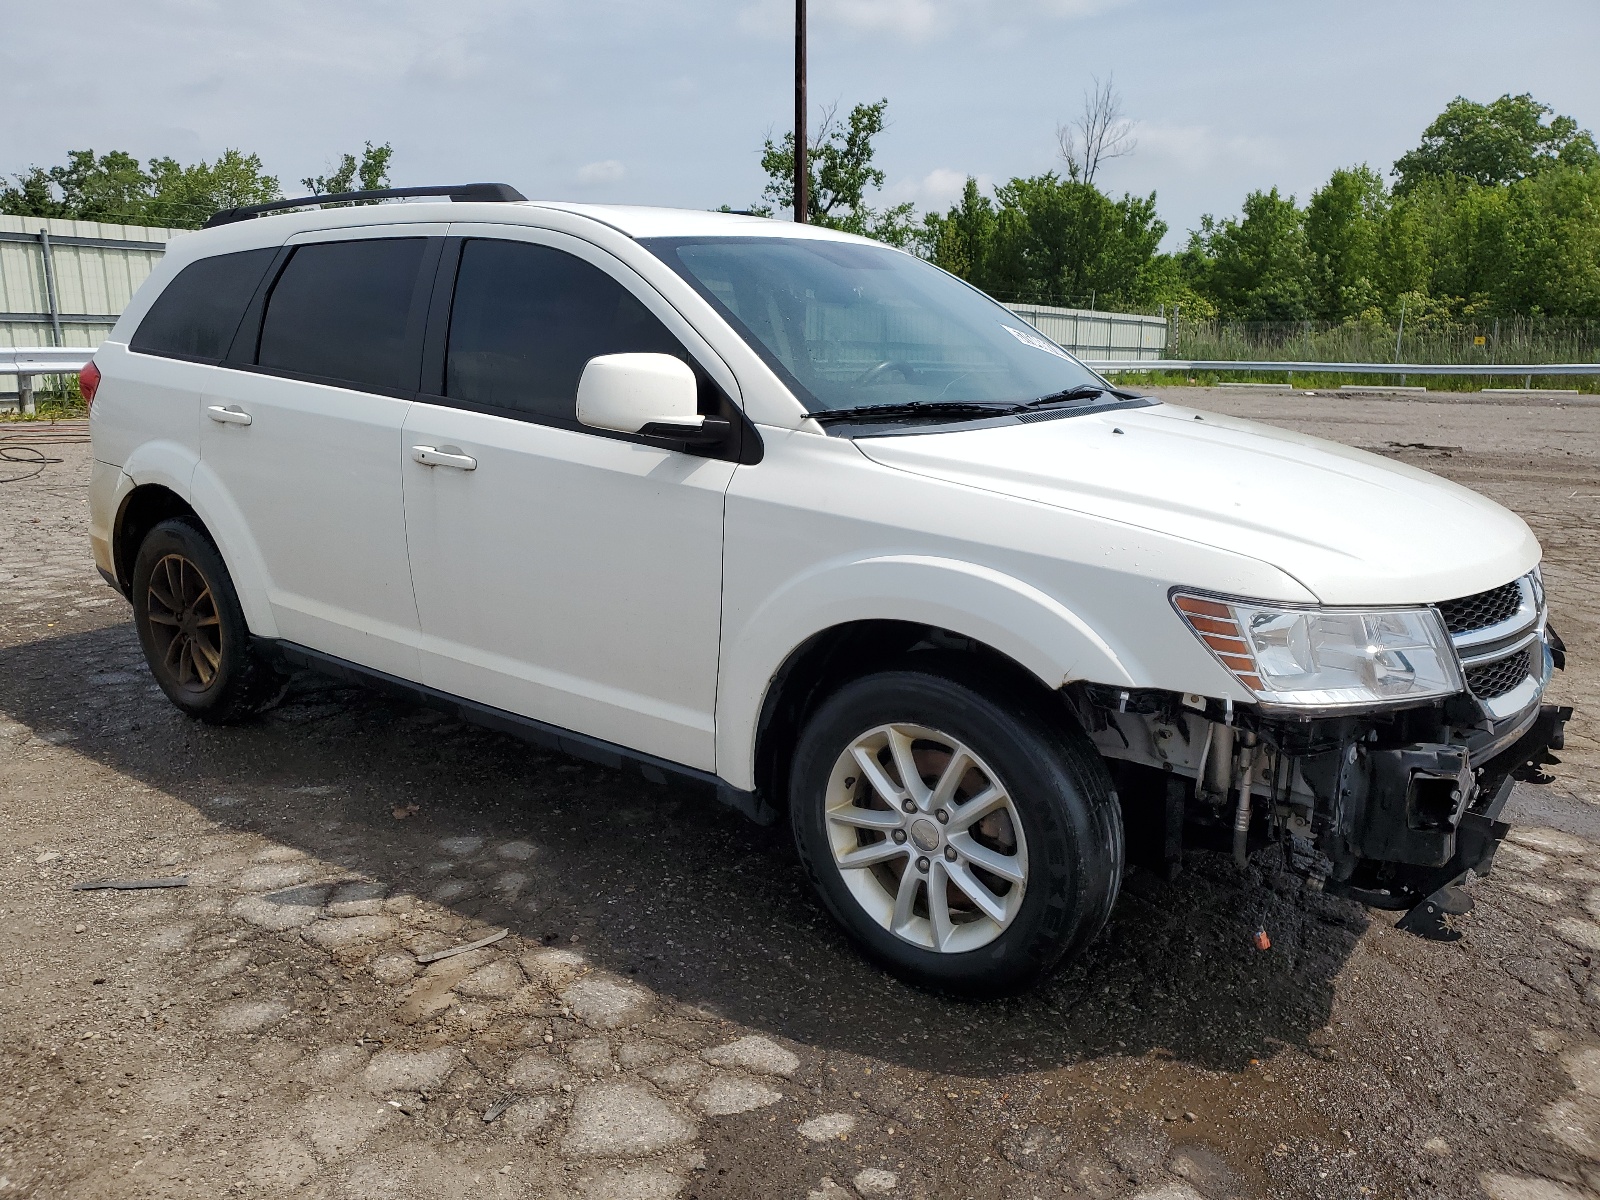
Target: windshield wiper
(915,408)
(1083,391)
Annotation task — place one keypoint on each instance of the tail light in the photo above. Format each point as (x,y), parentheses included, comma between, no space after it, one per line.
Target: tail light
(89,382)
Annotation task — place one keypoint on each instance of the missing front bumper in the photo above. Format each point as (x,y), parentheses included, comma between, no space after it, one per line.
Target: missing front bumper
(1409,820)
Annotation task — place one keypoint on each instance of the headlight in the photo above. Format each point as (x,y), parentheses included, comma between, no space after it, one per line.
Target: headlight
(1326,657)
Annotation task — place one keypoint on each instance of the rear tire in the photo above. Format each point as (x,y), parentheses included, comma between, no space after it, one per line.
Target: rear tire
(192,630)
(1022,851)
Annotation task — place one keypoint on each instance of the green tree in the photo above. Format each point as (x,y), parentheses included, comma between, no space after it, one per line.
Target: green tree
(1255,267)
(32,195)
(113,187)
(185,196)
(1168,283)
(1544,232)
(839,170)
(1496,143)
(1343,224)
(1066,239)
(89,187)
(372,169)
(1049,240)
(960,239)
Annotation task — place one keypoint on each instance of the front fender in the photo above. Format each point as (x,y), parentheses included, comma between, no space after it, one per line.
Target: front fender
(1007,614)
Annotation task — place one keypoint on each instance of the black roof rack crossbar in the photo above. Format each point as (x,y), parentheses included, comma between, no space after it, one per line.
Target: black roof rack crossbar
(461,192)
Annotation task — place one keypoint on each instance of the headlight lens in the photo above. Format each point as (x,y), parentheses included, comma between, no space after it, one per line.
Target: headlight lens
(1326,657)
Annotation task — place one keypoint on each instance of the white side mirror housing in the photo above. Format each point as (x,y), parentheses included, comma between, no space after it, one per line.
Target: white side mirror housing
(626,393)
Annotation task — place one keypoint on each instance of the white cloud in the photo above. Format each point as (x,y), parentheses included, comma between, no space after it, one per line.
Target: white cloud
(1076,8)
(936,191)
(916,20)
(449,62)
(1200,148)
(598,174)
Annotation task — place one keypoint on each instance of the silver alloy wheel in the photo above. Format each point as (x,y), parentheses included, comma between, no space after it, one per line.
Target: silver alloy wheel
(926,838)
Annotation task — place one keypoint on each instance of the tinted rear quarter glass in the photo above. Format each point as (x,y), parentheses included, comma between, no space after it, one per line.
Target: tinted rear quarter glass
(198,313)
(527,318)
(339,311)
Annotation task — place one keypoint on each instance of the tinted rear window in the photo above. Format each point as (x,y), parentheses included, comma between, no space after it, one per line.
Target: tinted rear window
(339,312)
(528,318)
(199,312)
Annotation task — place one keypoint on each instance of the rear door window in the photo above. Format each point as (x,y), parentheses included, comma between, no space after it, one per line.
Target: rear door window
(197,314)
(527,318)
(340,310)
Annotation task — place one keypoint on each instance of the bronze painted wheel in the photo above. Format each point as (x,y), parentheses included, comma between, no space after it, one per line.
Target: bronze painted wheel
(184,624)
(193,630)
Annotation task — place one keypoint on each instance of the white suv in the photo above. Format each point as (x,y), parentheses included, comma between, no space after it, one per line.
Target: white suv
(804,518)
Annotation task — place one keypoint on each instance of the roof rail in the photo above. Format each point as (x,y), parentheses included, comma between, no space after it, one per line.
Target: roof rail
(460,192)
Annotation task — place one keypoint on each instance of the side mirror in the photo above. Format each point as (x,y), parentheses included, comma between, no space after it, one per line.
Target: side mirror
(652,394)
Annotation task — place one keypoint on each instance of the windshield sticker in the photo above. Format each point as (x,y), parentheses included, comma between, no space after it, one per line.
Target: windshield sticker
(1037,342)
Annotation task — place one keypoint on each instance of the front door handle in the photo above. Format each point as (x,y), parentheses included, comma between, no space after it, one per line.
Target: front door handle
(444,456)
(231,415)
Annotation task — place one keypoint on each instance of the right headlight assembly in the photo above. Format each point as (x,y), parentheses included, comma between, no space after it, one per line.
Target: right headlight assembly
(1326,658)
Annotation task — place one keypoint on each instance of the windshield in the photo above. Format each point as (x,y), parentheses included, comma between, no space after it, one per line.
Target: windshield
(848,326)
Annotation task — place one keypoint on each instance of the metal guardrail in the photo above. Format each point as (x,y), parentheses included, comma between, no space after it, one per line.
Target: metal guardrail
(1526,370)
(27,361)
(43,360)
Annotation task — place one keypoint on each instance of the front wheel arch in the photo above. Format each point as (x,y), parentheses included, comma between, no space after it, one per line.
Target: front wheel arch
(829,660)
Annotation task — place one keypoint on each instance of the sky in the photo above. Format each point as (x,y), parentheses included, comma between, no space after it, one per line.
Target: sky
(668,102)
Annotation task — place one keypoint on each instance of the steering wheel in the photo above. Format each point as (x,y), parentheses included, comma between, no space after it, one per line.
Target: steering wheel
(874,373)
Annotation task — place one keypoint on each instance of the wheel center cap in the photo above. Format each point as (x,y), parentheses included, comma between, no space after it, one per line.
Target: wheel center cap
(925,834)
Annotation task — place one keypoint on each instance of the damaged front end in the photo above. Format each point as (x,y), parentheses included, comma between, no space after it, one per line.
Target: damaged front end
(1394,807)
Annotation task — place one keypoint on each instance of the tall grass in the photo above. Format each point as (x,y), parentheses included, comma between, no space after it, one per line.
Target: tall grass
(56,398)
(1529,340)
(1509,341)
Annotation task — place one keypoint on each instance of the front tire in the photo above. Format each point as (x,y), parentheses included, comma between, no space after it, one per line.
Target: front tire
(192,629)
(966,840)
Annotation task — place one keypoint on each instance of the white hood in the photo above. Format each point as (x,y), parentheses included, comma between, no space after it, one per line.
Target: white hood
(1352,527)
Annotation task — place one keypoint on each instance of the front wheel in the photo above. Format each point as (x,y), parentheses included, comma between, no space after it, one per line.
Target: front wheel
(965,840)
(192,629)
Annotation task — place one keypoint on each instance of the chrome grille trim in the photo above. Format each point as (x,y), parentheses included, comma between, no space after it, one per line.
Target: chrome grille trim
(1494,679)
(1483,610)
(1527,613)
(1504,664)
(1493,653)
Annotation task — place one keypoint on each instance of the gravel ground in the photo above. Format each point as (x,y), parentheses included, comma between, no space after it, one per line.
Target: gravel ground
(668,1013)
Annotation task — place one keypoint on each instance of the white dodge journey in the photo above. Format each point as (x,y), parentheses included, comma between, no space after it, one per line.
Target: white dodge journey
(806,519)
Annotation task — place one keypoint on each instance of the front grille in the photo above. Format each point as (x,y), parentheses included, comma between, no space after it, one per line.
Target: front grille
(1471,613)
(1497,678)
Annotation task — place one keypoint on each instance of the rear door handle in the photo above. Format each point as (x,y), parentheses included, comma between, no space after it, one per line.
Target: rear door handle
(447,456)
(231,415)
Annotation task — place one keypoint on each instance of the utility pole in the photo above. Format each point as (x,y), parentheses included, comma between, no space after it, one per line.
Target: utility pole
(802,172)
